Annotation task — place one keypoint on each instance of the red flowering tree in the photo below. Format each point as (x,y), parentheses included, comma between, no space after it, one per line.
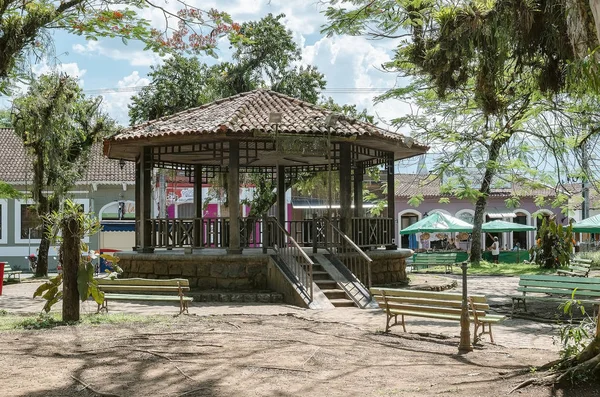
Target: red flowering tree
(25,27)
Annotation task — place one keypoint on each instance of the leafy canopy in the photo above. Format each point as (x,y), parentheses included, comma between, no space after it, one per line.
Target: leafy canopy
(27,28)
(266,58)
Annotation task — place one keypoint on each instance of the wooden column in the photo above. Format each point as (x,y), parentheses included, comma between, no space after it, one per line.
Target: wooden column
(233,195)
(198,230)
(345,171)
(391,198)
(145,203)
(138,216)
(281,195)
(358,191)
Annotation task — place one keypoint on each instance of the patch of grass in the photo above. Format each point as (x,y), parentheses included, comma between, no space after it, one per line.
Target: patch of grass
(593,255)
(12,321)
(492,269)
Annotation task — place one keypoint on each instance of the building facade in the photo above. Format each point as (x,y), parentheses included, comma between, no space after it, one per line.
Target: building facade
(105,185)
(526,213)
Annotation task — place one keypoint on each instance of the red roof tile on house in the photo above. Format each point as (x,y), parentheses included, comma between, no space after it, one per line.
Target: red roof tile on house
(15,165)
(410,185)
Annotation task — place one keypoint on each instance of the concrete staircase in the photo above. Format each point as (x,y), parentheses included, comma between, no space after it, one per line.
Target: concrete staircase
(329,287)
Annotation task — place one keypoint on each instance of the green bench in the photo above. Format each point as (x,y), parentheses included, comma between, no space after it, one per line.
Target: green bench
(137,289)
(555,288)
(437,305)
(577,268)
(435,259)
(9,272)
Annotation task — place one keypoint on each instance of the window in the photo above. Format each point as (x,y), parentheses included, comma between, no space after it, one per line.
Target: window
(466,216)
(27,221)
(3,221)
(31,225)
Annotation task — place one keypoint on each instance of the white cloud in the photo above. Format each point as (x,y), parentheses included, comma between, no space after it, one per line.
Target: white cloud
(116,104)
(355,62)
(134,57)
(71,69)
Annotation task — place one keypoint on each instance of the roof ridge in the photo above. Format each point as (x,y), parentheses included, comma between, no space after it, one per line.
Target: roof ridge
(190,110)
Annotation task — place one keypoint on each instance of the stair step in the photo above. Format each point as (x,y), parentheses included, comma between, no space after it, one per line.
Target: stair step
(334,293)
(329,284)
(321,275)
(342,302)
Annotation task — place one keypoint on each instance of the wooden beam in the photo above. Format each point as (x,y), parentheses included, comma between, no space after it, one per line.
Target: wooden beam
(358,191)
(198,235)
(281,195)
(345,172)
(233,195)
(145,202)
(138,216)
(391,197)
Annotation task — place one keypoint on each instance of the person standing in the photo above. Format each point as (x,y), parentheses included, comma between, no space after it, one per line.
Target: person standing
(495,249)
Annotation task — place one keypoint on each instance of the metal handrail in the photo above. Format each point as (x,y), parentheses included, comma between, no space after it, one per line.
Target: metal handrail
(304,275)
(353,264)
(352,244)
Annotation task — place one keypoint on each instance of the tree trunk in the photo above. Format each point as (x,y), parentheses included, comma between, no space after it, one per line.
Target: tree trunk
(484,190)
(46,206)
(71,256)
(42,260)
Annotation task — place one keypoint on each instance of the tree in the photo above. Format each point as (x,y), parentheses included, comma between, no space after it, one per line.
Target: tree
(27,28)
(264,59)
(68,227)
(470,55)
(488,48)
(58,126)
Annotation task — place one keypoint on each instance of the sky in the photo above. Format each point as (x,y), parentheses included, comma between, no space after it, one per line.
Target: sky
(347,62)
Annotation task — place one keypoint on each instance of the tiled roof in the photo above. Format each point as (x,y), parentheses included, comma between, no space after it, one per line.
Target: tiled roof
(248,113)
(409,185)
(15,165)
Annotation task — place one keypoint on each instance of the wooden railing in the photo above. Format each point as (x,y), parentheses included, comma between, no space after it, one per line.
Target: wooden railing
(373,232)
(293,257)
(349,254)
(214,232)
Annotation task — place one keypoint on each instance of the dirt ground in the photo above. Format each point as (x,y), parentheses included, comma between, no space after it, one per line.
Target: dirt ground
(225,349)
(257,355)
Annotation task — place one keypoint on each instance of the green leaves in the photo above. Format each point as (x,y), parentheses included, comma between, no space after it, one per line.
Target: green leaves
(50,292)
(416,200)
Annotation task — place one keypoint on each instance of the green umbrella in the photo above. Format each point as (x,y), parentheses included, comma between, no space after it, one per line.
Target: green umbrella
(438,222)
(589,225)
(503,226)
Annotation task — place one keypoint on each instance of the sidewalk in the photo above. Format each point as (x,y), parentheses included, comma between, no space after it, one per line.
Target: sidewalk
(520,333)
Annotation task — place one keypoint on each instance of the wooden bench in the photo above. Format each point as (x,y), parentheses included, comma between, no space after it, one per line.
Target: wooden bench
(556,289)
(577,268)
(136,289)
(9,272)
(438,305)
(435,259)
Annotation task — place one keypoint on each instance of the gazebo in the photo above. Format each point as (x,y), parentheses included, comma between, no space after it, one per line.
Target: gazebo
(267,133)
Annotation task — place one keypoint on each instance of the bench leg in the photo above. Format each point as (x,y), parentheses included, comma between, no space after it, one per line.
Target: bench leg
(387,323)
(490,332)
(403,324)
(103,307)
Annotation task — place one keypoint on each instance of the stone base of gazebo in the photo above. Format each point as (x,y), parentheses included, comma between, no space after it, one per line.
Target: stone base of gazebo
(209,269)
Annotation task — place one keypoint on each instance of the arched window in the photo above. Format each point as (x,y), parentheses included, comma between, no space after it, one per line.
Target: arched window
(405,219)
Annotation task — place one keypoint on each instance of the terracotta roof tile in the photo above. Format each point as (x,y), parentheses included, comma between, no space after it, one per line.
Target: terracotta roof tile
(409,185)
(15,166)
(249,112)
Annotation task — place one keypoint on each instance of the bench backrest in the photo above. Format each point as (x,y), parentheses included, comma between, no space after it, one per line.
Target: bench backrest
(580,260)
(143,285)
(7,267)
(557,285)
(435,258)
(427,301)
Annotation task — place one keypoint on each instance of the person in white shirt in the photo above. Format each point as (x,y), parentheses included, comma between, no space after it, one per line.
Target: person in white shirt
(495,249)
